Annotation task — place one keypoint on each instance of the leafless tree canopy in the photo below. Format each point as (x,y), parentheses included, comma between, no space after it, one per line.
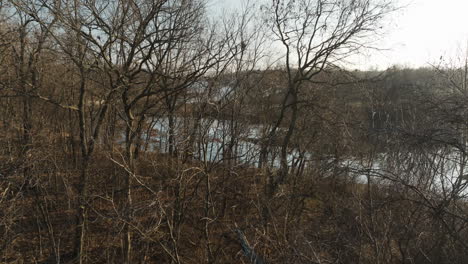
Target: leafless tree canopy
(153,131)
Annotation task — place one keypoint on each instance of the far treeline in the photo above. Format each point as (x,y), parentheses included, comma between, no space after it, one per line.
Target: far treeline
(153,131)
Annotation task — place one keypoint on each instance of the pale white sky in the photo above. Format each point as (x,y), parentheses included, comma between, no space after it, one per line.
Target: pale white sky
(423,32)
(419,34)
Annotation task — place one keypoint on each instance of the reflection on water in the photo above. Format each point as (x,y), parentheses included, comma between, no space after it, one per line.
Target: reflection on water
(213,140)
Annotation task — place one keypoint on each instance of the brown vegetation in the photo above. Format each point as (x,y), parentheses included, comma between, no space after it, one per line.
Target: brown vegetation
(147,132)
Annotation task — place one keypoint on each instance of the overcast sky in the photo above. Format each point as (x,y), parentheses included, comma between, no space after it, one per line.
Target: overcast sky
(419,34)
(423,32)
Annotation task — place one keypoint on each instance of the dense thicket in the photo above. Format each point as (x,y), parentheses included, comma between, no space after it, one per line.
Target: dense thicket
(149,132)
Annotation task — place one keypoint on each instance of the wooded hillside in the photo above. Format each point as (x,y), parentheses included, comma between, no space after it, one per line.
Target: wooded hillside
(150,131)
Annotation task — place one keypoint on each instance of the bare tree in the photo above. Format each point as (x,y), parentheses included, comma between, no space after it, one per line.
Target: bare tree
(314,35)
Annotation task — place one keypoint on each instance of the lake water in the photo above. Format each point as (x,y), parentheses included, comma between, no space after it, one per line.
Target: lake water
(440,171)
